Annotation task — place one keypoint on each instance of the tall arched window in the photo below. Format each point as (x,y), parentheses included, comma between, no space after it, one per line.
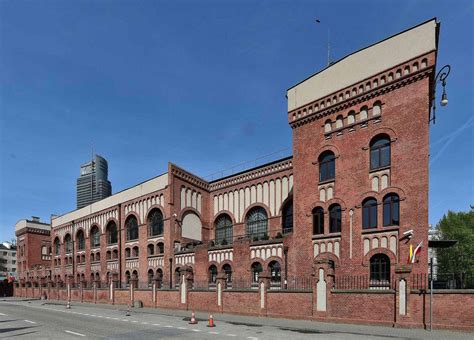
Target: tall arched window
(81,244)
(127,277)
(112,236)
(68,243)
(327,166)
(379,152)
(160,248)
(391,210)
(159,276)
(212,274)
(257,222)
(95,237)
(369,213)
(287,217)
(131,225)
(380,270)
(275,271)
(335,218)
(318,221)
(115,254)
(135,251)
(155,222)
(256,270)
(228,272)
(224,232)
(57,246)
(127,253)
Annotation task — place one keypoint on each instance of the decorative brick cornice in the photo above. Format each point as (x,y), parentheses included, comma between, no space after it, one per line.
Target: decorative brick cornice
(189,177)
(30,230)
(378,84)
(270,169)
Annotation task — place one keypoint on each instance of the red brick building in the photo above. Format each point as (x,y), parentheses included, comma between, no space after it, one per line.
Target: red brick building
(33,249)
(334,216)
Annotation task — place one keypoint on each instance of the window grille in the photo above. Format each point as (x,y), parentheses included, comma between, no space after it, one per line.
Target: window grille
(224,232)
(257,222)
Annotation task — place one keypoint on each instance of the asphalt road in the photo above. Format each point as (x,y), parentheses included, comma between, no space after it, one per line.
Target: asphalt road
(35,320)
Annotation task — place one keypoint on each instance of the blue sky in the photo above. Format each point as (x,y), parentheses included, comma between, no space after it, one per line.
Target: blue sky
(201,84)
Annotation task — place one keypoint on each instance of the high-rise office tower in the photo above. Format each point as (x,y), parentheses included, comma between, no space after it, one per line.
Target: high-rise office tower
(92,184)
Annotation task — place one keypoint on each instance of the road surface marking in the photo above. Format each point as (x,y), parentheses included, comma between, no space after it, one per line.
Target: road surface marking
(156,324)
(29,321)
(168,326)
(196,330)
(71,332)
(231,334)
(181,327)
(2,314)
(252,338)
(144,323)
(134,321)
(213,332)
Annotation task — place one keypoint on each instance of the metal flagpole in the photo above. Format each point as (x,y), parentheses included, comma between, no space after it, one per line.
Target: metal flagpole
(431,294)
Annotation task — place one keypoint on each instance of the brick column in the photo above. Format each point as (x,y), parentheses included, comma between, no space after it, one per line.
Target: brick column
(221,285)
(263,286)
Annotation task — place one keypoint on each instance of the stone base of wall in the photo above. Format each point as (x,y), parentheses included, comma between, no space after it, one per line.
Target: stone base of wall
(451,309)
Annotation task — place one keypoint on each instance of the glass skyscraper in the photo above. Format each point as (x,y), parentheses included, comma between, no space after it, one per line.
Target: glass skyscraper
(92,184)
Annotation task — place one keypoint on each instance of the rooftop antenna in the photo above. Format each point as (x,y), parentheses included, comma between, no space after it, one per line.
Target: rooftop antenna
(328,44)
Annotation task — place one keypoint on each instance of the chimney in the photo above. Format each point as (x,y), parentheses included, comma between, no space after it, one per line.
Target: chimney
(35,218)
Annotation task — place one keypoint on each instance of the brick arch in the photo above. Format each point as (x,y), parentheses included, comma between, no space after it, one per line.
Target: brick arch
(382,130)
(271,259)
(64,237)
(324,256)
(368,194)
(187,210)
(155,206)
(396,190)
(223,263)
(224,212)
(95,224)
(336,201)
(130,214)
(327,147)
(250,207)
(386,251)
(77,231)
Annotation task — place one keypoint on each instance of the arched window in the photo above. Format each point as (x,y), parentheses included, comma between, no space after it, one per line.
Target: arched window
(335,218)
(127,252)
(177,277)
(57,246)
(256,270)
(212,274)
(369,213)
(155,222)
(112,236)
(318,221)
(135,275)
(339,122)
(391,210)
(327,166)
(379,152)
(108,255)
(92,257)
(97,256)
(257,223)
(150,277)
(224,233)
(95,237)
(287,216)
(135,251)
(363,113)
(115,254)
(68,243)
(81,244)
(131,225)
(151,250)
(228,272)
(160,248)
(380,270)
(275,271)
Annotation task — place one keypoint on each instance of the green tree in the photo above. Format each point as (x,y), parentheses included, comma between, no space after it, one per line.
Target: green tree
(457,226)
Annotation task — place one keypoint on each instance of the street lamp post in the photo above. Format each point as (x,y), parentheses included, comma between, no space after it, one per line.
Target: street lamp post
(440,78)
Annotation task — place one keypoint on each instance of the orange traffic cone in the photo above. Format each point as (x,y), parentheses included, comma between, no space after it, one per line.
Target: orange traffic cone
(211,321)
(193,319)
